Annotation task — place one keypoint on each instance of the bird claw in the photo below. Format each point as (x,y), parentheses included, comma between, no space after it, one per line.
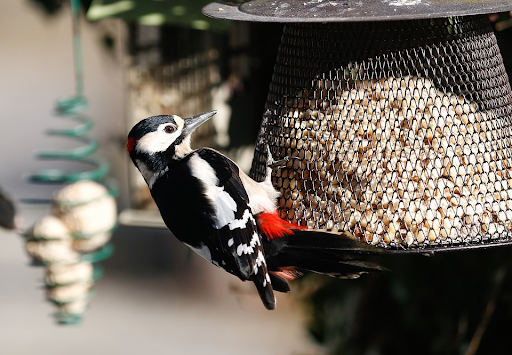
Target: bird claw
(273,164)
(280,163)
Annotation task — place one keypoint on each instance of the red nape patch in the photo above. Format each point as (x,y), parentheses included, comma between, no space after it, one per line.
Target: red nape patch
(272,226)
(130,144)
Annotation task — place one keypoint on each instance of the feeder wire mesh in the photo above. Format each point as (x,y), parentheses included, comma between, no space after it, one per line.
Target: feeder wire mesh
(400,131)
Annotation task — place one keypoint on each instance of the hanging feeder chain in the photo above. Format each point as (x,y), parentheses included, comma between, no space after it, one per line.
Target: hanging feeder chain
(77,48)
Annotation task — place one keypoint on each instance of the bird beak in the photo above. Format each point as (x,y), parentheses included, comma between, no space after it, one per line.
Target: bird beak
(193,122)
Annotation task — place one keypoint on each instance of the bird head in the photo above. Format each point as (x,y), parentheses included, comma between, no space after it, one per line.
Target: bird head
(169,134)
(156,139)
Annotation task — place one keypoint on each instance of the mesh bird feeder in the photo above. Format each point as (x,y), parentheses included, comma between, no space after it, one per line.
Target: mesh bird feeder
(397,116)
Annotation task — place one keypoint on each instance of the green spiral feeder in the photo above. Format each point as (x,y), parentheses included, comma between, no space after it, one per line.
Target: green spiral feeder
(75,236)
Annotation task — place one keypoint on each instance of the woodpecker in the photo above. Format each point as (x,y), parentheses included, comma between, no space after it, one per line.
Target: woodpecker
(223,215)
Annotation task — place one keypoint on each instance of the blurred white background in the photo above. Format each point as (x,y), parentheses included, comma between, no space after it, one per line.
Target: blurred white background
(155,297)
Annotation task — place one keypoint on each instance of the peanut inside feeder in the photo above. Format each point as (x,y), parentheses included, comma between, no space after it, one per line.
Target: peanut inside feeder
(400,130)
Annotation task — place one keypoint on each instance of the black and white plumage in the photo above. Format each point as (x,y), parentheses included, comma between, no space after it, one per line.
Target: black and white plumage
(226,217)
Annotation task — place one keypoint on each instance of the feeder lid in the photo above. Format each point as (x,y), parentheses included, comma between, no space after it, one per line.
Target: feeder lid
(351,10)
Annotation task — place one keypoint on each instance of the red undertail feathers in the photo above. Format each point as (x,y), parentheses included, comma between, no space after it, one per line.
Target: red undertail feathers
(288,273)
(272,226)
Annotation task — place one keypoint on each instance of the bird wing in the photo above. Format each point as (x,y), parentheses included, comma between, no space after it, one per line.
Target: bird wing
(235,228)
(235,233)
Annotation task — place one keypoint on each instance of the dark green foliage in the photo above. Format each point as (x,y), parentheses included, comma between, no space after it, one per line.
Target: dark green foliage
(425,305)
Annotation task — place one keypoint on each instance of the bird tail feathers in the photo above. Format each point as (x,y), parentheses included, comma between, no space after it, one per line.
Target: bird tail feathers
(333,254)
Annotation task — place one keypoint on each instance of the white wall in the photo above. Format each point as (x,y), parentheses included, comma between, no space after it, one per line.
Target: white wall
(154,299)
(36,68)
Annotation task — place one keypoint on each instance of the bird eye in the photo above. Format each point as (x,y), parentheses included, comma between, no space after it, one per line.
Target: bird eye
(169,129)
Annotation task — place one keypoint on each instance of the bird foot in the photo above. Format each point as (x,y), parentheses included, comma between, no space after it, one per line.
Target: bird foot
(276,164)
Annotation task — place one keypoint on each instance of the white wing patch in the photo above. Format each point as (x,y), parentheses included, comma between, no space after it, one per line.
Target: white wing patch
(242,223)
(248,248)
(257,264)
(224,204)
(225,208)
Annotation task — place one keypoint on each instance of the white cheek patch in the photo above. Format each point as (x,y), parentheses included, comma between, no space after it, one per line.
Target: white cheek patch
(157,141)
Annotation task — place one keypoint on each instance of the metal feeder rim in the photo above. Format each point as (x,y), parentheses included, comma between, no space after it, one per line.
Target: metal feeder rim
(430,251)
(294,11)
